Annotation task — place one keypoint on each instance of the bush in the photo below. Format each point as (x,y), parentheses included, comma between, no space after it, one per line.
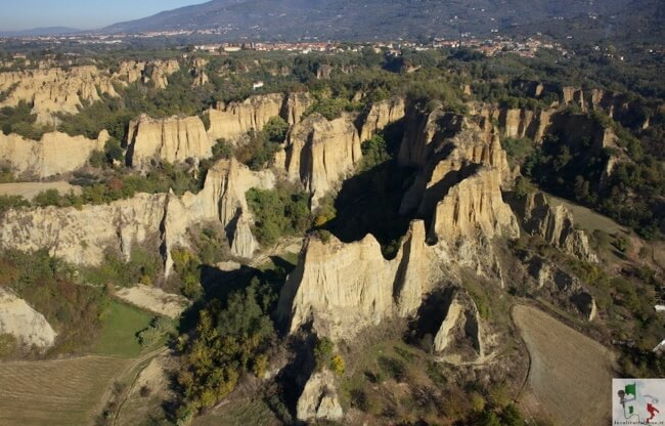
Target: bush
(8,202)
(50,287)
(228,341)
(279,212)
(375,152)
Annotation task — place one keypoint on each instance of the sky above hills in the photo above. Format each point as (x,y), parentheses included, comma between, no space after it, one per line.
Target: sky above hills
(83,14)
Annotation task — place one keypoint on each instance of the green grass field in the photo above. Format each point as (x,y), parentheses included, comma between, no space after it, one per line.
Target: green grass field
(120,323)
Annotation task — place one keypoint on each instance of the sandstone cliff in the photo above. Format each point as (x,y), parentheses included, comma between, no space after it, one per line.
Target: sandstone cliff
(158,72)
(296,105)
(555,225)
(54,154)
(320,153)
(234,120)
(172,139)
(563,287)
(380,115)
(474,206)
(82,236)
(222,202)
(454,149)
(57,90)
(319,400)
(21,321)
(343,288)
(459,338)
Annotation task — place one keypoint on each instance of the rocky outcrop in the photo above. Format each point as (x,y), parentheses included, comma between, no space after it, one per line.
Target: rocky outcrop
(525,123)
(234,120)
(20,320)
(54,154)
(320,153)
(343,288)
(319,400)
(158,72)
(54,90)
(458,338)
(172,139)
(82,235)
(456,149)
(563,287)
(555,225)
(474,206)
(295,106)
(221,201)
(380,115)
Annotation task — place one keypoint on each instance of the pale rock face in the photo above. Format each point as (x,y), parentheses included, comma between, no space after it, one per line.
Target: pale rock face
(555,225)
(160,71)
(296,105)
(566,288)
(23,322)
(474,206)
(81,236)
(343,288)
(423,134)
(320,153)
(460,336)
(319,399)
(172,139)
(573,95)
(222,200)
(234,120)
(55,90)
(340,287)
(54,154)
(380,115)
(521,123)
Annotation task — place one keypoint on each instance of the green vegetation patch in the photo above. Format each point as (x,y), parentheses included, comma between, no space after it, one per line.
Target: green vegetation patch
(120,325)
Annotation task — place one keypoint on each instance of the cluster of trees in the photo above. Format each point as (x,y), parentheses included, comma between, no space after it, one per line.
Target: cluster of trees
(22,121)
(632,194)
(143,267)
(230,339)
(279,212)
(260,148)
(51,287)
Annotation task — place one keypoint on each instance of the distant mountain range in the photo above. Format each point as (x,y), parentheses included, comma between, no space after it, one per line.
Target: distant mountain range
(34,32)
(368,19)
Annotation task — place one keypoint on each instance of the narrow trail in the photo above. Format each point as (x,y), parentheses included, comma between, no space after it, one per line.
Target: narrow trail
(133,367)
(525,382)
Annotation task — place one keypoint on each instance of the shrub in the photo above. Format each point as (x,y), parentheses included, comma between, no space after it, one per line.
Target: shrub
(279,212)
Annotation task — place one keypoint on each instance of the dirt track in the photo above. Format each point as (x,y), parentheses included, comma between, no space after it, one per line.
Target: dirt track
(29,190)
(570,378)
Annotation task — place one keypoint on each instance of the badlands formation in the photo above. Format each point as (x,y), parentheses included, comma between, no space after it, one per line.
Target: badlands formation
(460,204)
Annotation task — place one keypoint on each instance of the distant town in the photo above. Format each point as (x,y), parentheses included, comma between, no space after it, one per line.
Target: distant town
(489,46)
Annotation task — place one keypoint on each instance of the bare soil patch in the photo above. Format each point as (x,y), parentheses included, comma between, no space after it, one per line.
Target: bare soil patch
(29,190)
(154,300)
(570,379)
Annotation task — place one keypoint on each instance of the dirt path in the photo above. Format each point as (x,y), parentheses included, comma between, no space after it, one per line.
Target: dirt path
(29,190)
(570,375)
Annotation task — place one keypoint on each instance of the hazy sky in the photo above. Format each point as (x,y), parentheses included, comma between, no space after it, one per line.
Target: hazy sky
(83,14)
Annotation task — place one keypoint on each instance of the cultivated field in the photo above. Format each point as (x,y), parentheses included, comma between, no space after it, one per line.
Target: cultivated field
(570,378)
(62,392)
